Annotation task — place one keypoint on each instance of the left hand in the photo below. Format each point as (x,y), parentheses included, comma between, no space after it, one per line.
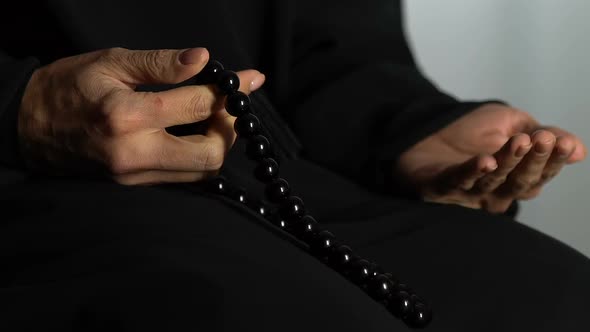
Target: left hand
(488,158)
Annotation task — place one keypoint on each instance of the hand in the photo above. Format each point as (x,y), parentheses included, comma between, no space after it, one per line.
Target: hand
(82,111)
(488,158)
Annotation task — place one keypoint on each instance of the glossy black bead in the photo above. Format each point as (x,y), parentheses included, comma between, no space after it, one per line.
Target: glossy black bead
(415,297)
(306,228)
(392,279)
(218,185)
(240,195)
(402,287)
(259,207)
(322,244)
(376,269)
(278,190)
(237,104)
(258,147)
(341,258)
(280,222)
(228,82)
(210,73)
(292,208)
(360,271)
(400,304)
(421,316)
(380,287)
(390,276)
(267,170)
(247,125)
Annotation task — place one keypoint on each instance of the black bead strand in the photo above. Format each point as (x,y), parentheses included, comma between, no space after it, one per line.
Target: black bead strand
(290,213)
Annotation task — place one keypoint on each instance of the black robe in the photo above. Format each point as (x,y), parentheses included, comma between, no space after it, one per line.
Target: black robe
(343,99)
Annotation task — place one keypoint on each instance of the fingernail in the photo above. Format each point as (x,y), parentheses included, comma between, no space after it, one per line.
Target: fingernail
(257,82)
(542,148)
(192,56)
(564,154)
(522,150)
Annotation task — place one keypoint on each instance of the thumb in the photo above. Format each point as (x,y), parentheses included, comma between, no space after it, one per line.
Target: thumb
(580,151)
(164,66)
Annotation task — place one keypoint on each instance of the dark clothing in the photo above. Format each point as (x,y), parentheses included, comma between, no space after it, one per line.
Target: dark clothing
(343,99)
(341,75)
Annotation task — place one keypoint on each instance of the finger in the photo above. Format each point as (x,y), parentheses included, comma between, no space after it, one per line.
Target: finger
(159,177)
(222,128)
(131,110)
(463,176)
(528,172)
(194,103)
(508,157)
(250,80)
(162,151)
(497,205)
(183,105)
(531,193)
(580,151)
(564,147)
(164,66)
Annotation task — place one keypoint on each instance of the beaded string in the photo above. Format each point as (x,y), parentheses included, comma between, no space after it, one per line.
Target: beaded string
(291,216)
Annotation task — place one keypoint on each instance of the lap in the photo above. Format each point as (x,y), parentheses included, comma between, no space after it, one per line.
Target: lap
(97,253)
(480,270)
(152,258)
(475,268)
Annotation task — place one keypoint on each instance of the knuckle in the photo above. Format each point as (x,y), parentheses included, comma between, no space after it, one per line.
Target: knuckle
(116,117)
(197,107)
(213,157)
(113,53)
(153,61)
(118,161)
(523,183)
(111,120)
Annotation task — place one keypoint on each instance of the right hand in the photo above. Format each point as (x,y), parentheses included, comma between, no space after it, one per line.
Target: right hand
(488,158)
(82,111)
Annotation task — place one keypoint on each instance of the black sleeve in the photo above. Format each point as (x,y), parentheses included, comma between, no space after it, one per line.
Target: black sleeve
(357,99)
(14,76)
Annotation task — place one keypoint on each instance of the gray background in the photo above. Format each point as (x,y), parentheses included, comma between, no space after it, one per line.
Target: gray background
(532,54)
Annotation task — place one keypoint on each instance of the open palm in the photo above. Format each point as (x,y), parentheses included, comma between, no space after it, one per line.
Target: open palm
(488,158)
